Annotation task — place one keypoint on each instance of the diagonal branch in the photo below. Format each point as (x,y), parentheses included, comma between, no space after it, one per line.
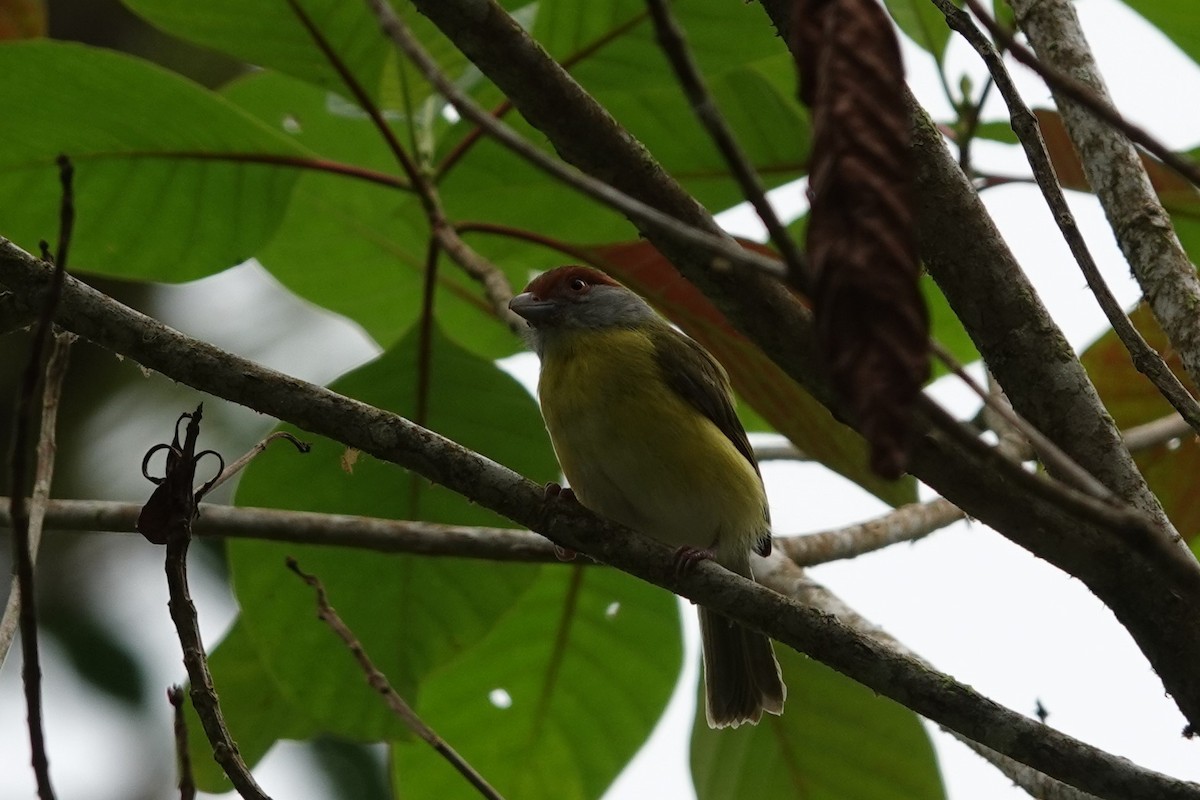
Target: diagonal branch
(1097,103)
(392,438)
(379,682)
(671,40)
(1115,172)
(1024,124)
(789,580)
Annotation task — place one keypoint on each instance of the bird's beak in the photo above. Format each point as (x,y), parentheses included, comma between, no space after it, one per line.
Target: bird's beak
(532,308)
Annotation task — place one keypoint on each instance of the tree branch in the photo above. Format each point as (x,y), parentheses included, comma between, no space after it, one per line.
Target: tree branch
(47,447)
(1025,125)
(392,438)
(672,42)
(1115,171)
(1154,590)
(379,682)
(786,578)
(905,524)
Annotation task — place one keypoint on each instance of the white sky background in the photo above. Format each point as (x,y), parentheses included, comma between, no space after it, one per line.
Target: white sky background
(966,599)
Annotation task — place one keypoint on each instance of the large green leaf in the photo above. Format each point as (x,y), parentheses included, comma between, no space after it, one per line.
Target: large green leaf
(351,244)
(1176,21)
(836,740)
(923,23)
(166,185)
(255,712)
(273,35)
(558,698)
(412,614)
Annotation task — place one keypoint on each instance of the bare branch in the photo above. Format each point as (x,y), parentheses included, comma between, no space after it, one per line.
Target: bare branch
(183,757)
(672,41)
(395,439)
(1025,125)
(379,682)
(1051,454)
(56,371)
(1115,172)
(1036,784)
(22,546)
(174,510)
(905,524)
(1081,92)
(251,454)
(723,250)
(788,579)
(1159,431)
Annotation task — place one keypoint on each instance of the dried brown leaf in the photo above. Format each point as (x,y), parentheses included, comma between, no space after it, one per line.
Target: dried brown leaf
(872,324)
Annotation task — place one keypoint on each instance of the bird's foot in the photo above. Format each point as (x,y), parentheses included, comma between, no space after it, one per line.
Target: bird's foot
(556,491)
(686,558)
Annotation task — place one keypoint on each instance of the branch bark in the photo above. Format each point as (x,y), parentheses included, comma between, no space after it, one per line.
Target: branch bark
(1113,168)
(1021,343)
(392,438)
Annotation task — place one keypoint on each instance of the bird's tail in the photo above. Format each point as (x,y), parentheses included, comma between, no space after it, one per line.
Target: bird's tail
(741,675)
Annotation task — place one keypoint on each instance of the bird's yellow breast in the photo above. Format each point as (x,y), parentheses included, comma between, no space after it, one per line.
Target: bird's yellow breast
(637,452)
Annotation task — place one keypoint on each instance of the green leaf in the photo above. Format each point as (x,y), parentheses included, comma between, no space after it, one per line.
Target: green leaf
(411,613)
(923,23)
(836,740)
(1176,21)
(946,328)
(165,186)
(611,44)
(255,711)
(997,131)
(273,35)
(372,237)
(558,698)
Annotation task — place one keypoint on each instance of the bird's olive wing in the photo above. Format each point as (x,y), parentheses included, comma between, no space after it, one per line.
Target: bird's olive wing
(695,375)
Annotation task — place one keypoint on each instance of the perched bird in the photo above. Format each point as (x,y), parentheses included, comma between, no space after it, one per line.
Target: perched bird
(643,424)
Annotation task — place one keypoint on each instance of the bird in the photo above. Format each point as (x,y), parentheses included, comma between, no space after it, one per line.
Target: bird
(642,420)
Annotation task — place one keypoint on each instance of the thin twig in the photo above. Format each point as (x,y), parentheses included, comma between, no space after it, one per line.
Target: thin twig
(175,515)
(1083,94)
(905,524)
(494,282)
(31,670)
(252,453)
(1157,432)
(1059,463)
(203,694)
(379,682)
(672,42)
(56,370)
(725,251)
(183,757)
(1025,125)
(1132,525)
(779,452)
(461,541)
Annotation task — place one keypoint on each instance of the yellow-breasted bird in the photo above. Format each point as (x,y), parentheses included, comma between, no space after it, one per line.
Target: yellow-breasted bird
(642,421)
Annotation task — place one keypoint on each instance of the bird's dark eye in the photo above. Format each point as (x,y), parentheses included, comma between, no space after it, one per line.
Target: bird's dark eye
(578,284)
